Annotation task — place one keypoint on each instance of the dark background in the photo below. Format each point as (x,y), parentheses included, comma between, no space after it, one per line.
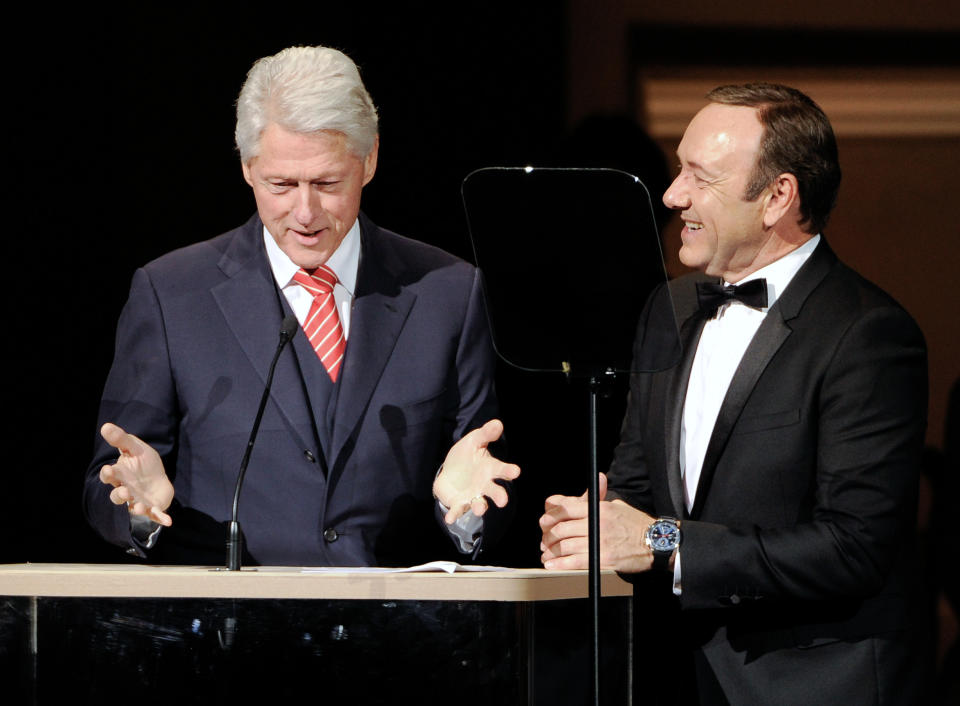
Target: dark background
(121,129)
(119,147)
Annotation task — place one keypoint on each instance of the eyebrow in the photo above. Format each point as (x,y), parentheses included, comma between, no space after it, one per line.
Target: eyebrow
(323,179)
(697,166)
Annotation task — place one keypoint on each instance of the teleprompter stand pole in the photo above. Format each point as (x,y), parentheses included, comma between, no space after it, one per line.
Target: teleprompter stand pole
(599,387)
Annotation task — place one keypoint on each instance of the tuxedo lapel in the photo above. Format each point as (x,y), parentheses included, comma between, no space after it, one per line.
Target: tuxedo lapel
(252,309)
(676,391)
(380,309)
(766,342)
(771,335)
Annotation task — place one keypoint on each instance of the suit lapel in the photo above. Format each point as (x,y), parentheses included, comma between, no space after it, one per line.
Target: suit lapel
(251,306)
(766,342)
(380,309)
(675,395)
(771,335)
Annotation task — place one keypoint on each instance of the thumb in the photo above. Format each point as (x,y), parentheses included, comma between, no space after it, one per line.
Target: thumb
(119,439)
(489,432)
(601,487)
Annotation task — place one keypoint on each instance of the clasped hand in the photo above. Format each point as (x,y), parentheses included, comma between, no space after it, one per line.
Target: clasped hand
(470,472)
(622,530)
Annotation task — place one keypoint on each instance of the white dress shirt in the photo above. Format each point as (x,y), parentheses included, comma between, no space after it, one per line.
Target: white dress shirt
(345,262)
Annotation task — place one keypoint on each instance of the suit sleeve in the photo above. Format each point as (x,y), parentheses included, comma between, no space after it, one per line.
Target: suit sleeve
(477,402)
(656,347)
(870,423)
(139,396)
(628,478)
(475,368)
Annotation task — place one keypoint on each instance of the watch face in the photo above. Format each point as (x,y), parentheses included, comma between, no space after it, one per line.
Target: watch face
(664,536)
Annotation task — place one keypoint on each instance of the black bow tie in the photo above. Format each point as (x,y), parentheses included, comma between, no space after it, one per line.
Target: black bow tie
(711,296)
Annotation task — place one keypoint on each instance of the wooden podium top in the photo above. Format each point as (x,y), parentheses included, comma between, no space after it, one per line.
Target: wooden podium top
(137,581)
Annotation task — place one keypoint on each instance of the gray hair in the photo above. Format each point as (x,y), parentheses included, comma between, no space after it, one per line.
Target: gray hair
(305,90)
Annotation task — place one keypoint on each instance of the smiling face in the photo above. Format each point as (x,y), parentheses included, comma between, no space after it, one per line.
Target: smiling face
(723,235)
(307,188)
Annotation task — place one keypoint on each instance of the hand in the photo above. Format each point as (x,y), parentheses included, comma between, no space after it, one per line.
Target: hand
(138,477)
(469,471)
(622,531)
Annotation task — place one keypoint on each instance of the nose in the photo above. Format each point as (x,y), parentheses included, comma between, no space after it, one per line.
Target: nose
(676,196)
(308,205)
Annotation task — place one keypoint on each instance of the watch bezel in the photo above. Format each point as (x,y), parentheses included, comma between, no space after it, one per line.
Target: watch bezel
(675,539)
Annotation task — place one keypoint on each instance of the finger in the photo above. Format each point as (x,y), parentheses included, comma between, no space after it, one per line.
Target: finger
(120,495)
(507,471)
(554,545)
(497,494)
(479,505)
(566,508)
(453,514)
(151,512)
(565,530)
(119,439)
(108,476)
(488,433)
(562,501)
(160,517)
(553,501)
(113,435)
(547,522)
(566,547)
(601,487)
(565,563)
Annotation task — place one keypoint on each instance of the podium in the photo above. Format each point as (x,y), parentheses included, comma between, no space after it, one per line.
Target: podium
(181,635)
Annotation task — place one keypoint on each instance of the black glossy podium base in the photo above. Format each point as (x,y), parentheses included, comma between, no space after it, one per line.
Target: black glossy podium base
(176,651)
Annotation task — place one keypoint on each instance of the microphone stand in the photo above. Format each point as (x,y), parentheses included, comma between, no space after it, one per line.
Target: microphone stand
(234,535)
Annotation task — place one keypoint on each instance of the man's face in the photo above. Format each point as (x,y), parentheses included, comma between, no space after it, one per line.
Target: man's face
(307,188)
(722,234)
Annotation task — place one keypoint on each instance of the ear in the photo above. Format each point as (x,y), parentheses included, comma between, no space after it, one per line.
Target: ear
(370,161)
(783,197)
(247,175)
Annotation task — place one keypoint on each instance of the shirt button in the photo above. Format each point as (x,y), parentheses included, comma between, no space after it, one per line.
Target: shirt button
(308,454)
(330,534)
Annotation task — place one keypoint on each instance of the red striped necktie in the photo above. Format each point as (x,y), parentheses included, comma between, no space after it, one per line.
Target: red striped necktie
(322,326)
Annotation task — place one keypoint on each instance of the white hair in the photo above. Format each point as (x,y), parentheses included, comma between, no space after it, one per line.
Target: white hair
(305,90)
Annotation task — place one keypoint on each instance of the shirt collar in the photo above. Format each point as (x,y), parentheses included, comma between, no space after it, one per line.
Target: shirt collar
(780,272)
(345,260)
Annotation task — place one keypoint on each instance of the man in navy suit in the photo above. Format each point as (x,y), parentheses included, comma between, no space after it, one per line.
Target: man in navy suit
(388,381)
(763,494)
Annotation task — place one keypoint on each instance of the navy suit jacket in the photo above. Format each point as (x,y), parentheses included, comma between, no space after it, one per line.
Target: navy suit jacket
(796,556)
(340,474)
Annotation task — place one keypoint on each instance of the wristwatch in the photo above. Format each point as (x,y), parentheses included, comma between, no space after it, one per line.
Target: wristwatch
(663,537)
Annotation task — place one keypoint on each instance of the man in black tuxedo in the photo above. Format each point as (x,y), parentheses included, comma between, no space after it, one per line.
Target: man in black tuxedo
(763,494)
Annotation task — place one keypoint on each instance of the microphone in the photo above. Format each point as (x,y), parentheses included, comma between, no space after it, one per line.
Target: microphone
(234,535)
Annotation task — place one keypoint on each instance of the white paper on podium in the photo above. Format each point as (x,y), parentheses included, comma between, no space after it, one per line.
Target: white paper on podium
(447,566)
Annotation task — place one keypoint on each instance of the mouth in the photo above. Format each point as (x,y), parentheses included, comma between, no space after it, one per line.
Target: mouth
(307,237)
(693,225)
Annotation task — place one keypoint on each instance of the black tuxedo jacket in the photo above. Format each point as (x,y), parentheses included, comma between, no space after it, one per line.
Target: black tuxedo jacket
(796,555)
(340,474)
